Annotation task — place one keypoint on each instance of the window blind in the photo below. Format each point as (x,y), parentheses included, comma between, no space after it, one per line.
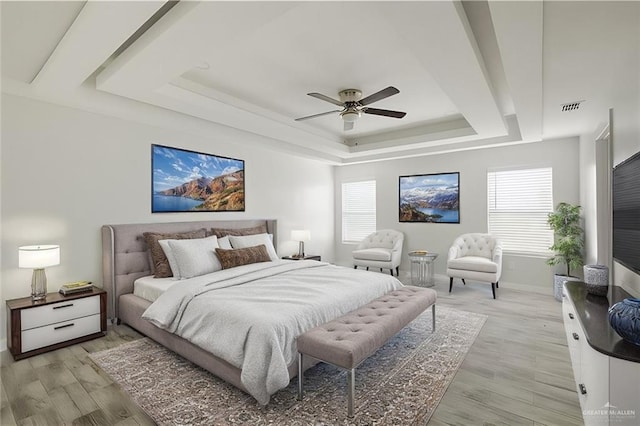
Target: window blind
(358,210)
(519,203)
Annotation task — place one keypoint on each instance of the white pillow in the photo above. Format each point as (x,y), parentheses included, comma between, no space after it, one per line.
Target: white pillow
(170,257)
(195,257)
(224,243)
(245,241)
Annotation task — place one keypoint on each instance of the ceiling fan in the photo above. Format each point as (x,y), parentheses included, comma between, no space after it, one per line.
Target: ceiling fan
(353,105)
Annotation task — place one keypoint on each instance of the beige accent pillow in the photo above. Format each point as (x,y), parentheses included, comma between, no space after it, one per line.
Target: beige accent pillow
(222,232)
(159,263)
(243,256)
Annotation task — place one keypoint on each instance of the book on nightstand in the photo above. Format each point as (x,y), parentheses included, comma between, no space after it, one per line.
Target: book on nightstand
(75,287)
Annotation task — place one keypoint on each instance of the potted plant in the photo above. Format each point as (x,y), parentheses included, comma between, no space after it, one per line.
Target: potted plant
(568,243)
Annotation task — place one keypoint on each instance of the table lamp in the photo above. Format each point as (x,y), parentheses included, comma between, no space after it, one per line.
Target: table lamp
(301,235)
(38,258)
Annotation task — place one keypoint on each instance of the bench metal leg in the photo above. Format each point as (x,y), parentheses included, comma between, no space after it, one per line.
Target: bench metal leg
(433,313)
(351,385)
(300,376)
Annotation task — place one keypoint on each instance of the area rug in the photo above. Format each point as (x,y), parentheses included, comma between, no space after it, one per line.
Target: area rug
(401,384)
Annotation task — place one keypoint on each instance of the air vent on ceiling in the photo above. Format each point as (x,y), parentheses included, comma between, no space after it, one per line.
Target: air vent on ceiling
(571,106)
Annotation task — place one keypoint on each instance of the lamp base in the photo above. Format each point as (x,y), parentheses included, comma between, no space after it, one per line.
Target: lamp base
(300,249)
(38,285)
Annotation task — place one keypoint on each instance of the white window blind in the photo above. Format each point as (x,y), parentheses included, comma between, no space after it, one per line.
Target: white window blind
(358,210)
(519,203)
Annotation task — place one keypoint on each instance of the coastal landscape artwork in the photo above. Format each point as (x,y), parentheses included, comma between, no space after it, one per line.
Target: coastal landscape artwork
(431,198)
(189,181)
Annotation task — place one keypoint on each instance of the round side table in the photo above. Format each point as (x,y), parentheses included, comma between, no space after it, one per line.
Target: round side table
(422,268)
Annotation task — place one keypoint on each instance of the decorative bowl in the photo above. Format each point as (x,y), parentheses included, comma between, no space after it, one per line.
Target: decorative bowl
(624,318)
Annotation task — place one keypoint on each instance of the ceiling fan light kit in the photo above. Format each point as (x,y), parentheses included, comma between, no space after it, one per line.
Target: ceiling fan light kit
(350,115)
(354,105)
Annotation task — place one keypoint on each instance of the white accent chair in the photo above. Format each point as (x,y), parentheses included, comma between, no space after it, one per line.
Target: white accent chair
(476,257)
(382,249)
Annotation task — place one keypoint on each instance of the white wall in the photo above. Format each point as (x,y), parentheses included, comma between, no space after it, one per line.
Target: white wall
(66,172)
(626,139)
(530,272)
(624,90)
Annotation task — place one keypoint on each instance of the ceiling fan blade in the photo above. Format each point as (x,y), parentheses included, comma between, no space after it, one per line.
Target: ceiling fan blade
(348,125)
(384,93)
(325,98)
(317,115)
(384,112)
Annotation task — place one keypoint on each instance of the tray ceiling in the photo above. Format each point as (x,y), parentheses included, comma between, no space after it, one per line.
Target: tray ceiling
(470,74)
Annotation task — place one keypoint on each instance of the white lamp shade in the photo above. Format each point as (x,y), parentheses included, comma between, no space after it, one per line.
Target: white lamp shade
(301,235)
(36,257)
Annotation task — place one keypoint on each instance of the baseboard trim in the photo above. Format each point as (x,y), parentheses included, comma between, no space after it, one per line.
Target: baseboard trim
(405,277)
(512,286)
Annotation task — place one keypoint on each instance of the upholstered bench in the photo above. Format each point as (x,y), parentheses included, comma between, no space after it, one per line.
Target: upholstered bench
(350,339)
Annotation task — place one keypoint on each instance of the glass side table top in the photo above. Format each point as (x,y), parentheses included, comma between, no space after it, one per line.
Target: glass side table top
(423,254)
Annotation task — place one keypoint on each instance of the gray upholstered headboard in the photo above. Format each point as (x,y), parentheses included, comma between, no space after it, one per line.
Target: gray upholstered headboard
(125,257)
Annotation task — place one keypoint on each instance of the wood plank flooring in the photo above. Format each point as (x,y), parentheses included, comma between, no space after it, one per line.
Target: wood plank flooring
(518,372)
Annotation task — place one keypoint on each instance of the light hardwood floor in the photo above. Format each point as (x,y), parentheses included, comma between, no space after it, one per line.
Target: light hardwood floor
(517,372)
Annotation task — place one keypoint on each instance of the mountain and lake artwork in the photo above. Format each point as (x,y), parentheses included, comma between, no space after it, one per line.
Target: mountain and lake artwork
(433,198)
(189,181)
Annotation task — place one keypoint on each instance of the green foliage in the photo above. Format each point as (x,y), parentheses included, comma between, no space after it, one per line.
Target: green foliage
(569,237)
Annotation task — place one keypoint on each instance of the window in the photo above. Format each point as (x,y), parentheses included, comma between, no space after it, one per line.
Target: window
(519,202)
(358,210)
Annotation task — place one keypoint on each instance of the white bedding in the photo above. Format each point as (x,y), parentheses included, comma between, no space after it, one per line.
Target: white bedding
(251,315)
(150,288)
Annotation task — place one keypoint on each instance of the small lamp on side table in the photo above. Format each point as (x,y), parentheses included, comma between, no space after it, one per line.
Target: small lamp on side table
(38,258)
(302,236)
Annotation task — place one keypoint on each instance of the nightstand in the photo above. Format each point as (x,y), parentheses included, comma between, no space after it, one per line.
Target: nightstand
(55,322)
(307,257)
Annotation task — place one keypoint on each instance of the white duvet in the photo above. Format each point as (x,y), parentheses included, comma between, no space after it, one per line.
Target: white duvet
(251,315)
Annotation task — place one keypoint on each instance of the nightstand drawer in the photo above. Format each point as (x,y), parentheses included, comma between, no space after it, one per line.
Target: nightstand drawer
(59,332)
(58,312)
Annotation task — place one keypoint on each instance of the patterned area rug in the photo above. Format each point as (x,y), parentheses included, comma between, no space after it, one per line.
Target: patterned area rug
(402,383)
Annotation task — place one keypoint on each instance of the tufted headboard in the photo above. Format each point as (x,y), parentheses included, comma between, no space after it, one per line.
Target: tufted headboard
(125,257)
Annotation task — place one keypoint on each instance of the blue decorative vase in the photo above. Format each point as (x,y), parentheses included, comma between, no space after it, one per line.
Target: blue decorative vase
(624,318)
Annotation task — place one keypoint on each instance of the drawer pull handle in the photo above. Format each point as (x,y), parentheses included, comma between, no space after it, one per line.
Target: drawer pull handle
(63,326)
(583,389)
(570,315)
(575,336)
(63,306)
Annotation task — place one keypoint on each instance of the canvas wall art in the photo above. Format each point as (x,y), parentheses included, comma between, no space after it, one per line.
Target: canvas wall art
(433,198)
(189,181)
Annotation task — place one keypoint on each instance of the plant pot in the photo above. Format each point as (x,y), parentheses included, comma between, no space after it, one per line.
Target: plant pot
(558,281)
(596,279)
(624,318)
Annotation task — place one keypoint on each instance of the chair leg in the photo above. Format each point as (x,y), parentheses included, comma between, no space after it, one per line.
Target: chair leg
(464,282)
(497,285)
(367,268)
(397,271)
(450,284)
(355,266)
(493,289)
(391,271)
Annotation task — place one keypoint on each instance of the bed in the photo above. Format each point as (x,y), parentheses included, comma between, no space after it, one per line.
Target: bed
(126,259)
